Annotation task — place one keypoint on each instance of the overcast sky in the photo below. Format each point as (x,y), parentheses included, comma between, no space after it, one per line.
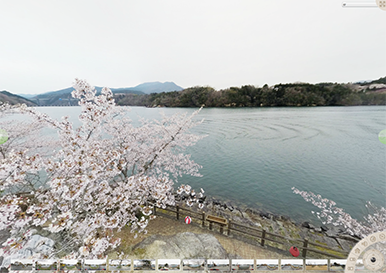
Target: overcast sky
(45,45)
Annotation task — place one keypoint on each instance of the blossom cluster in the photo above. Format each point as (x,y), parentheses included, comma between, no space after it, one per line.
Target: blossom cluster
(330,214)
(107,174)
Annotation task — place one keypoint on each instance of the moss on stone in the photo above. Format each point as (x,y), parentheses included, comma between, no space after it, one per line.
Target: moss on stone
(139,252)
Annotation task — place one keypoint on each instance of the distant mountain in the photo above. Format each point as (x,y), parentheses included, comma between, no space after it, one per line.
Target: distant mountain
(12,99)
(63,97)
(157,87)
(380,80)
(27,96)
(362,82)
(56,98)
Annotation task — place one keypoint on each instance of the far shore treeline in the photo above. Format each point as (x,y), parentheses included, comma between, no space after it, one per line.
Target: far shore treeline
(289,94)
(294,94)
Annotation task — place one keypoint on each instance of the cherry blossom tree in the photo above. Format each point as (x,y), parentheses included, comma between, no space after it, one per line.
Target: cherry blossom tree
(24,135)
(107,174)
(330,214)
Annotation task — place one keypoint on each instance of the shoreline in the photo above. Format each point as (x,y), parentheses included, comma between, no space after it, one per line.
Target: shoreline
(236,206)
(330,236)
(251,213)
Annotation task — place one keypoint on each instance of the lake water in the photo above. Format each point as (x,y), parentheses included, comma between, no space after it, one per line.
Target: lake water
(254,156)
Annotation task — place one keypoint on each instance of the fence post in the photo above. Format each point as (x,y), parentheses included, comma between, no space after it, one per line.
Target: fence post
(154,210)
(221,228)
(262,238)
(178,212)
(203,219)
(210,225)
(305,245)
(229,227)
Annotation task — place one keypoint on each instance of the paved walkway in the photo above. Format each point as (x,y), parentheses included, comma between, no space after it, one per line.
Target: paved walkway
(166,225)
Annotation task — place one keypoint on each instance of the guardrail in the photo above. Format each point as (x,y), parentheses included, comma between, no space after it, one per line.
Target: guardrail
(260,234)
(178,265)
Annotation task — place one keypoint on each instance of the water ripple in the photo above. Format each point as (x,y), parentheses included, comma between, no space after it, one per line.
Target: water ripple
(255,155)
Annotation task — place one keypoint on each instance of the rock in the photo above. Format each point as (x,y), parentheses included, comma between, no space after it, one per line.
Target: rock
(329,242)
(230,207)
(36,245)
(208,205)
(264,215)
(252,211)
(241,213)
(4,235)
(258,225)
(285,218)
(308,225)
(270,216)
(181,246)
(221,214)
(324,228)
(331,233)
(349,237)
(216,203)
(202,199)
(346,245)
(237,219)
(334,232)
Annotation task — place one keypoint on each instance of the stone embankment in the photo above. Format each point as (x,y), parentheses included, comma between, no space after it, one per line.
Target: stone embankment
(328,236)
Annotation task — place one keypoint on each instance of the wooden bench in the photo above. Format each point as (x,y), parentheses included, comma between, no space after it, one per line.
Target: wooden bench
(218,220)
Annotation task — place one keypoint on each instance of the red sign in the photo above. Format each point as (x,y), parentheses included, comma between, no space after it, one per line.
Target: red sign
(294,251)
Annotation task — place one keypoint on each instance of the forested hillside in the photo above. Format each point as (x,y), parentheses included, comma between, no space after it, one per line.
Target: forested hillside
(293,94)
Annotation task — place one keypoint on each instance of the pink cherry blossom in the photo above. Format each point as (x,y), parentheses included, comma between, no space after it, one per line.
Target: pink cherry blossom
(102,176)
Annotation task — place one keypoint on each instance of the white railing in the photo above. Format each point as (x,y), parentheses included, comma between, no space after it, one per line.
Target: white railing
(202,264)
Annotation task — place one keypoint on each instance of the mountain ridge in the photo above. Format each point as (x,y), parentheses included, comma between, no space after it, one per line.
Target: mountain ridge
(147,88)
(63,97)
(6,96)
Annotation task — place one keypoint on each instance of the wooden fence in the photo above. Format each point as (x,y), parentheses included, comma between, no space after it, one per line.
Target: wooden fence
(260,234)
